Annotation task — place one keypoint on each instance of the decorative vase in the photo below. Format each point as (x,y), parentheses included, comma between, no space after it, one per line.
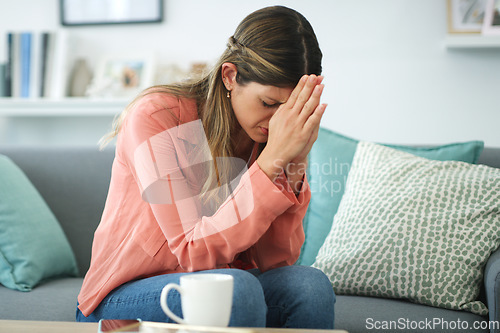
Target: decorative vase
(81,77)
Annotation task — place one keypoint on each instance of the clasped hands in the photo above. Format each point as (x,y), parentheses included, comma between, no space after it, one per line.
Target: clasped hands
(293,129)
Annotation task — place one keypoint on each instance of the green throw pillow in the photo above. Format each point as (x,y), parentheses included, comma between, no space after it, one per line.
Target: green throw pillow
(329,164)
(412,228)
(33,246)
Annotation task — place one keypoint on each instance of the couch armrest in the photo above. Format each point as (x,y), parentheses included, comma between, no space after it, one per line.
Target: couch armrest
(492,286)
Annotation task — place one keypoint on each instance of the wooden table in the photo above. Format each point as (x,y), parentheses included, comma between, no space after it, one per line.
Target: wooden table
(22,326)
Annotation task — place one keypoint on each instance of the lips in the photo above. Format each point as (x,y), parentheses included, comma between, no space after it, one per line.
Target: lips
(264,130)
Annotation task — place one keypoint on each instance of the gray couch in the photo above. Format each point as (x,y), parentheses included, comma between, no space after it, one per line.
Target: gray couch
(74,183)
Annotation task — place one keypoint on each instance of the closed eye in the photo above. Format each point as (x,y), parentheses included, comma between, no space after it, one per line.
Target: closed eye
(269,105)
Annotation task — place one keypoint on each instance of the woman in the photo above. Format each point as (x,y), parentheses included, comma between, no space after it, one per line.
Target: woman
(210,176)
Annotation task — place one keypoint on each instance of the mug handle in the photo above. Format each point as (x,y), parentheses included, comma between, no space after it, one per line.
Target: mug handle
(163,302)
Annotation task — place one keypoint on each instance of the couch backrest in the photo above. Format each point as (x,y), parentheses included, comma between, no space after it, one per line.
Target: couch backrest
(491,157)
(74,183)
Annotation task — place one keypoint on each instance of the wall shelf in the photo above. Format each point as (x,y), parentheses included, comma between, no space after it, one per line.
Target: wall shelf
(68,107)
(469,41)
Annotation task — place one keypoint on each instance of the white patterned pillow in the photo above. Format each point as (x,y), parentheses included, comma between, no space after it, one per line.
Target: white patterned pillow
(411,228)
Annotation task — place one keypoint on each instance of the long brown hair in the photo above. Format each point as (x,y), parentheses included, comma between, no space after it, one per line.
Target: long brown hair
(272,46)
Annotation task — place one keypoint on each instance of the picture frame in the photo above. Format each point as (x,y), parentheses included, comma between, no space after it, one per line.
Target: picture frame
(122,76)
(98,12)
(465,16)
(491,24)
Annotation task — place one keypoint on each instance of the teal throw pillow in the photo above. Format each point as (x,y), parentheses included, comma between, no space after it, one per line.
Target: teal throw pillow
(329,164)
(33,247)
(413,228)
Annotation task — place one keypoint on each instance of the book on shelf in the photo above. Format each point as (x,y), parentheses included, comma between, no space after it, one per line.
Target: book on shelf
(15,65)
(8,67)
(25,55)
(2,82)
(43,63)
(37,65)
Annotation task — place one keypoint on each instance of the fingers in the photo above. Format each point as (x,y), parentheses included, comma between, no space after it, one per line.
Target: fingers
(312,103)
(311,130)
(304,100)
(305,93)
(312,123)
(296,91)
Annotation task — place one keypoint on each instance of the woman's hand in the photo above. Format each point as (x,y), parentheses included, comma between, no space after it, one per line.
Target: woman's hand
(301,158)
(294,127)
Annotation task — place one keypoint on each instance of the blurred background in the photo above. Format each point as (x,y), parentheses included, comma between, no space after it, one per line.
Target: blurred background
(393,71)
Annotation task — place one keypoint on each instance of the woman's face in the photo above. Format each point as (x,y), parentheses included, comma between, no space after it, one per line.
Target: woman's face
(254,104)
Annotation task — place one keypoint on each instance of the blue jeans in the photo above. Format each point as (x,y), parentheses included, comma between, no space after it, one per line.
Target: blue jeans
(289,297)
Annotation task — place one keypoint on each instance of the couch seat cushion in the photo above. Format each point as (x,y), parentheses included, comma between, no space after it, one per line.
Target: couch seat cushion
(53,300)
(361,314)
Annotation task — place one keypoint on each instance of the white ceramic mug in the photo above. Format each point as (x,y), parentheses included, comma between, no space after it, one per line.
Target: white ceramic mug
(206,299)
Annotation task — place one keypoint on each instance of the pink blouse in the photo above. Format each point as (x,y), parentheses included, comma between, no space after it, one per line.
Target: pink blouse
(153,222)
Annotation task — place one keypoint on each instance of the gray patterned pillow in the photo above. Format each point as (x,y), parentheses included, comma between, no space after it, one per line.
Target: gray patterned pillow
(411,228)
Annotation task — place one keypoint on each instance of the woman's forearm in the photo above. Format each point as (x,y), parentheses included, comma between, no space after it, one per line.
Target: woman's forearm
(295,172)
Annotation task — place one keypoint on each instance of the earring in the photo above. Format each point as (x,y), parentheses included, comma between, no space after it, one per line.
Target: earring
(228,95)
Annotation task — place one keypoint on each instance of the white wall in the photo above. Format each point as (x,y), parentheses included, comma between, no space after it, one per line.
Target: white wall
(389,77)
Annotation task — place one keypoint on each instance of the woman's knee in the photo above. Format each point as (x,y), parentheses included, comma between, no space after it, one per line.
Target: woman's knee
(249,306)
(310,276)
(298,297)
(308,284)
(314,283)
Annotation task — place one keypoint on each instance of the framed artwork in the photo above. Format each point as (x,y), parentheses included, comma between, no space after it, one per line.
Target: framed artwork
(465,16)
(122,76)
(91,12)
(491,24)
